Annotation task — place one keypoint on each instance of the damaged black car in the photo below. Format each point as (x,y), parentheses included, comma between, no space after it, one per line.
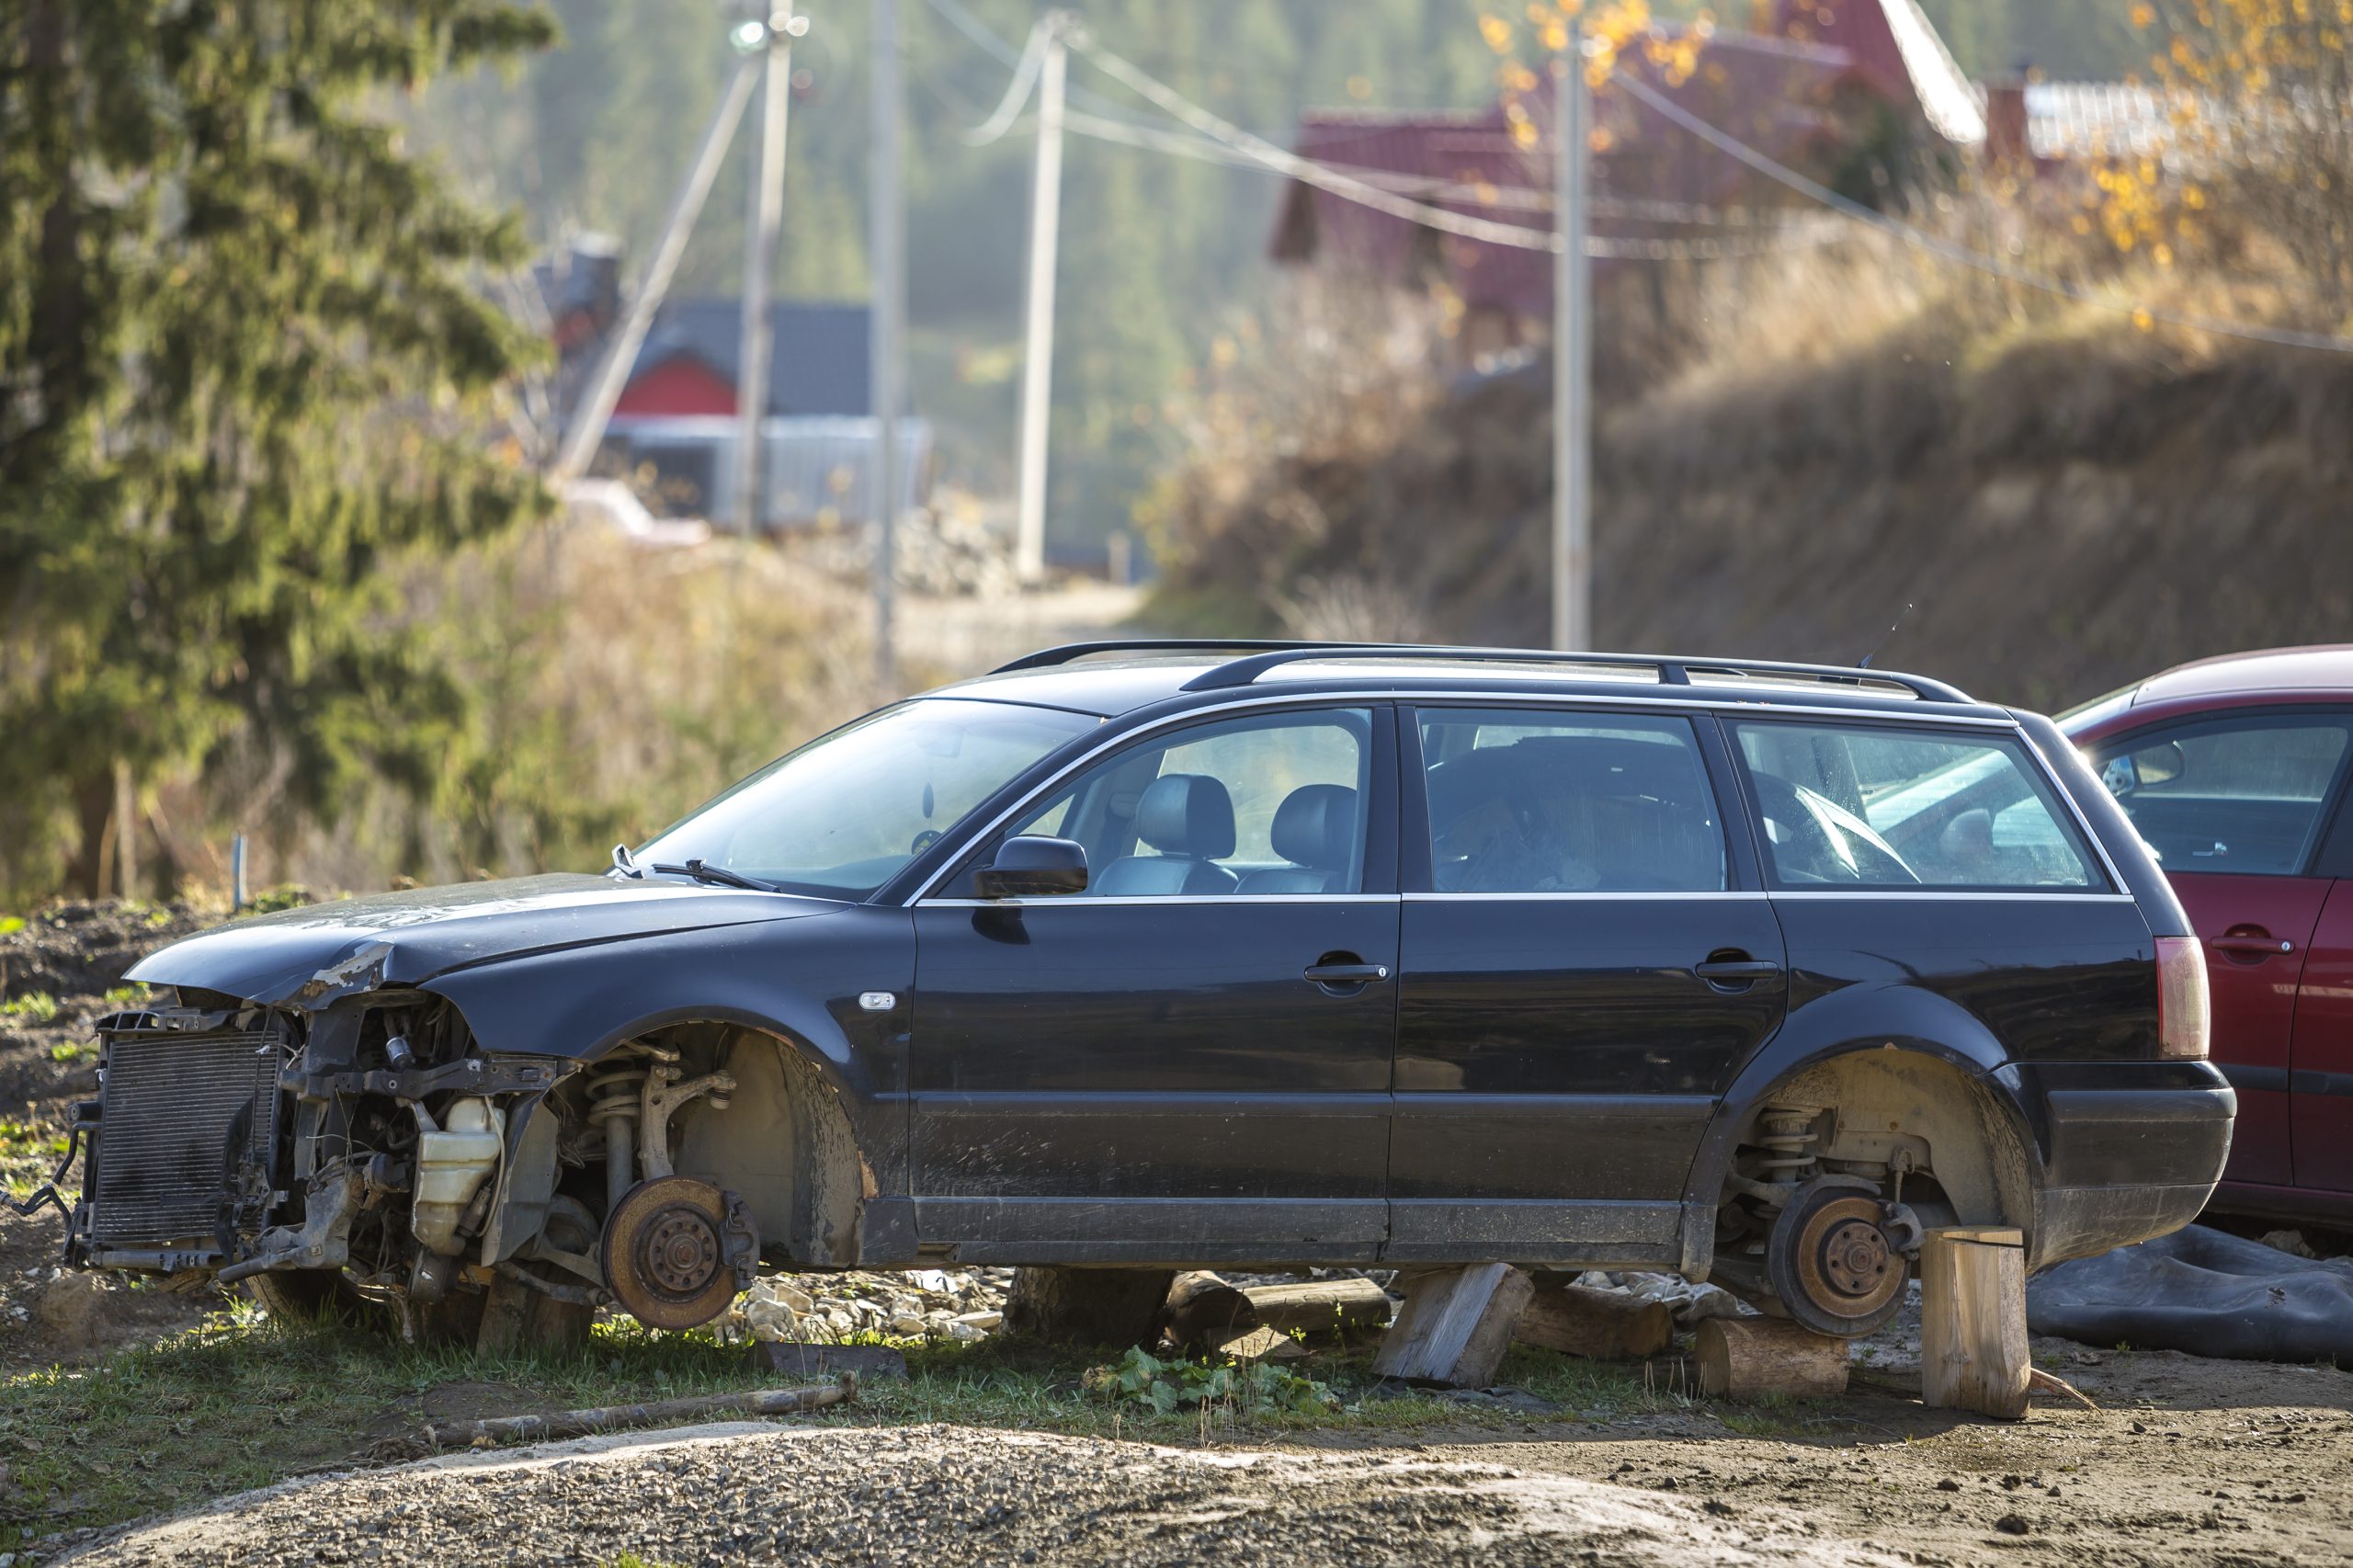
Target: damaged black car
(1160,954)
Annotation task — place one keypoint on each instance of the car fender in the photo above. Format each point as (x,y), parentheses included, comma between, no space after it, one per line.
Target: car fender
(837,990)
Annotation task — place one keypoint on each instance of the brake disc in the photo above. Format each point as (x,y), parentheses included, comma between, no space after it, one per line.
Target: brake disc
(1832,1263)
(666,1253)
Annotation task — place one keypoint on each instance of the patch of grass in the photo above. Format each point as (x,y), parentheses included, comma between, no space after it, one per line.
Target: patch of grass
(32,1007)
(1775,1416)
(28,1153)
(131,995)
(75,1050)
(11,923)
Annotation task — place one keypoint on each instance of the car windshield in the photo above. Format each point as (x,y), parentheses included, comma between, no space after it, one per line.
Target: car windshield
(845,813)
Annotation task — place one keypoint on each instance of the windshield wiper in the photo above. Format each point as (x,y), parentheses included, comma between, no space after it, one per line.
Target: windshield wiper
(703,871)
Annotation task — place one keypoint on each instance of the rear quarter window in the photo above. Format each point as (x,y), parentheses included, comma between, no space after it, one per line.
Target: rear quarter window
(1905,809)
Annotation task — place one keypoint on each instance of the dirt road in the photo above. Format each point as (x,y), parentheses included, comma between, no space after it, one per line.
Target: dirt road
(2187,1461)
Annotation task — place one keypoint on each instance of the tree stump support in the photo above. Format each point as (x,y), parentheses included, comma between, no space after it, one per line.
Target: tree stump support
(1756,1358)
(1973,1321)
(1089,1306)
(1455,1326)
(1602,1325)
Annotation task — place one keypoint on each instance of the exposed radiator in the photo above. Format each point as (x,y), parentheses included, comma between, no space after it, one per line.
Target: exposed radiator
(169,1106)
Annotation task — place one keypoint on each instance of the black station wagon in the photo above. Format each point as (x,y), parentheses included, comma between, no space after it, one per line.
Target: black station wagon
(1153,954)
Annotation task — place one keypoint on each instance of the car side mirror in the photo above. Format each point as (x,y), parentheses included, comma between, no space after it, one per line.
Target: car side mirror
(1032,865)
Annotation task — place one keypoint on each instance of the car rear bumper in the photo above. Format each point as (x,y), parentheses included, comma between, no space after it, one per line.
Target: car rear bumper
(2135,1157)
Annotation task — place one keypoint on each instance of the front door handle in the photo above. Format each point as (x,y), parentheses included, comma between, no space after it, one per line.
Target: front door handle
(1345,973)
(2251,944)
(1734,972)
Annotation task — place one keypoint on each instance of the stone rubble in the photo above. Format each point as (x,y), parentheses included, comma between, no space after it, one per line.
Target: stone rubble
(959,1304)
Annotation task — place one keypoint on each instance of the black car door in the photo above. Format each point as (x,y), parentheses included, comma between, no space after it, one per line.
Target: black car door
(1588,957)
(1190,1059)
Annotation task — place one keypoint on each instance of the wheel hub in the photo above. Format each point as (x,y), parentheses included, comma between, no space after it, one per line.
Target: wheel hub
(678,1251)
(1854,1257)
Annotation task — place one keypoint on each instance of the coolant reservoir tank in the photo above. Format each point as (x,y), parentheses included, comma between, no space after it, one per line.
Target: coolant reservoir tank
(452,1165)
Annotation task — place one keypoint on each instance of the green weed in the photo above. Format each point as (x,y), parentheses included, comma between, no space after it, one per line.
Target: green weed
(32,1007)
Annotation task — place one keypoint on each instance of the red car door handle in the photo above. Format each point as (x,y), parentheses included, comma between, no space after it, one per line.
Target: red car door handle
(2251,947)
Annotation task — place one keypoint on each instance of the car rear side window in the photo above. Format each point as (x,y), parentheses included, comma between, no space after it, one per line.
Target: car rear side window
(1879,807)
(2242,795)
(1540,801)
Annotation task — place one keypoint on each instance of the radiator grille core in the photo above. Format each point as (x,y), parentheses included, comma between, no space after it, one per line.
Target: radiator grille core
(169,1107)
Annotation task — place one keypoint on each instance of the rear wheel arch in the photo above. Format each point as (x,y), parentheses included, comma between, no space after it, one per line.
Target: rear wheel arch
(1869,1105)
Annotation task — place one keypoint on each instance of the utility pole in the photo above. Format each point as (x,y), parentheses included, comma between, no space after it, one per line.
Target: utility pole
(1038,352)
(1571,357)
(587,431)
(886,246)
(778,28)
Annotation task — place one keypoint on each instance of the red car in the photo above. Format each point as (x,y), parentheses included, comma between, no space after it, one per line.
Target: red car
(2233,770)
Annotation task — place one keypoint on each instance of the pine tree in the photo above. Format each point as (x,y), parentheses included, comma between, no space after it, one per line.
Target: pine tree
(244,356)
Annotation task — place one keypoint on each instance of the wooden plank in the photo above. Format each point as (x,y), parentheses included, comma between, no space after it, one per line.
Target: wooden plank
(1973,1321)
(1602,1325)
(1455,1326)
(1753,1358)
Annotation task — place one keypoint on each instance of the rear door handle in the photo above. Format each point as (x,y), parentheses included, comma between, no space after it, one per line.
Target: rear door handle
(1345,973)
(1723,970)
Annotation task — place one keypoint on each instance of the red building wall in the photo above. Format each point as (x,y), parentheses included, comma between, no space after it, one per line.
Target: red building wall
(677,386)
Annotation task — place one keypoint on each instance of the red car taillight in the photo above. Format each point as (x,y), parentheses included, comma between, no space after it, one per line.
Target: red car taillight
(2185,1017)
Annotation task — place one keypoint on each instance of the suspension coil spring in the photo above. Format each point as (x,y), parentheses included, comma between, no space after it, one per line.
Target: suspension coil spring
(1788,1136)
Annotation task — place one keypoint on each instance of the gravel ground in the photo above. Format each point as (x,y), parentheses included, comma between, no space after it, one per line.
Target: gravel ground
(935,1494)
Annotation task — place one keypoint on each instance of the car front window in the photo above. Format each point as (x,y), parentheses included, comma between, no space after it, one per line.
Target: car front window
(844,815)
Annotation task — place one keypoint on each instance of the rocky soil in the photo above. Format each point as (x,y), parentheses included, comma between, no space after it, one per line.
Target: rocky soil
(2187,1461)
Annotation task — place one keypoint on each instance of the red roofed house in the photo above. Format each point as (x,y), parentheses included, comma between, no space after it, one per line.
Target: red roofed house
(1836,88)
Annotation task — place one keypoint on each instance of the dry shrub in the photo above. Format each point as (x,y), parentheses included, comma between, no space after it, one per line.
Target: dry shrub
(616,688)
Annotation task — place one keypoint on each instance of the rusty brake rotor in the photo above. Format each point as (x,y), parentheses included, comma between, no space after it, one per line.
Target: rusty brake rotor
(664,1253)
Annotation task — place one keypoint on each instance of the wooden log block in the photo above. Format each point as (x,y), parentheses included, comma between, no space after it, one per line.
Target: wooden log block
(1320,1306)
(1751,1357)
(1973,1321)
(1203,1310)
(1089,1306)
(1455,1326)
(1603,1325)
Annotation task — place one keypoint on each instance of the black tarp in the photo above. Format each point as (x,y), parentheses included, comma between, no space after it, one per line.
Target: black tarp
(2203,1291)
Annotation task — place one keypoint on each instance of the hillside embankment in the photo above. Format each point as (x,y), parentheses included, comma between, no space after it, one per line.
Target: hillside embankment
(2068,498)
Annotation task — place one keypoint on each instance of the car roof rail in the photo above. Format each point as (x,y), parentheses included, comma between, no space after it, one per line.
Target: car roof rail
(1672,669)
(1260,654)
(1047,658)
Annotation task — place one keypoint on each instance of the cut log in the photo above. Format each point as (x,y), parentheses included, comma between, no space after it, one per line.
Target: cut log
(1262,1344)
(1203,1310)
(1603,1325)
(1972,1321)
(1753,1358)
(1320,1306)
(1455,1326)
(1088,1306)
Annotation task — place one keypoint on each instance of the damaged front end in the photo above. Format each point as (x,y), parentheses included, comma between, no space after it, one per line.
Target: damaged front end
(357,1141)
(369,1138)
